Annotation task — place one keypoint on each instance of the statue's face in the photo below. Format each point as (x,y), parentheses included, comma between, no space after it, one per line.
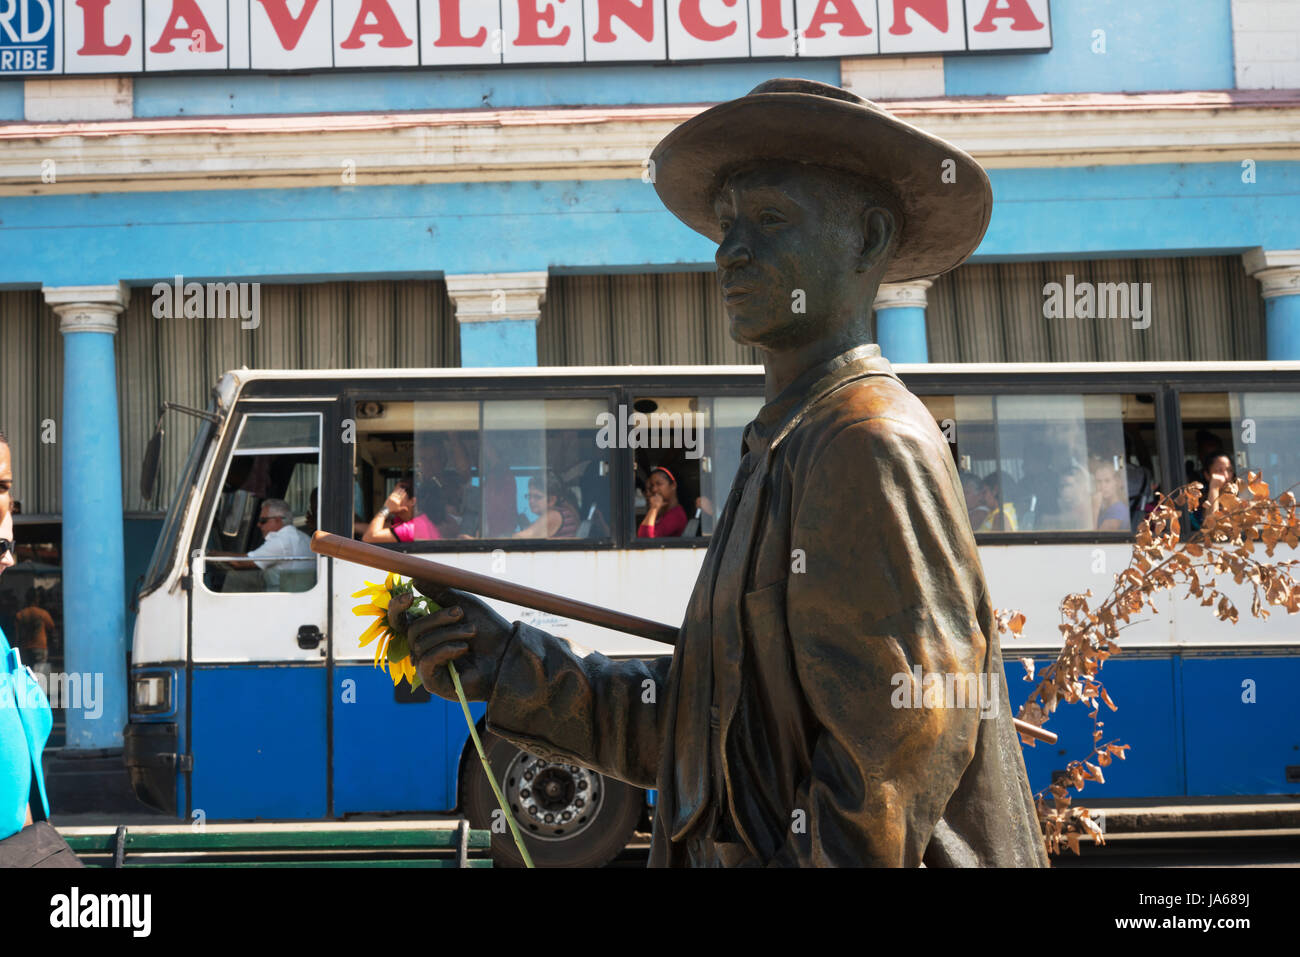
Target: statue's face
(791,252)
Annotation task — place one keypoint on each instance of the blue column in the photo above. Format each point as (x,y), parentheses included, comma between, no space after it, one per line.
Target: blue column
(94,602)
(1282,314)
(1278,272)
(504,342)
(498,314)
(900,321)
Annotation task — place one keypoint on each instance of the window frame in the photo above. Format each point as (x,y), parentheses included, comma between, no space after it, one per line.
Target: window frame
(668,391)
(1164,384)
(243,408)
(485,393)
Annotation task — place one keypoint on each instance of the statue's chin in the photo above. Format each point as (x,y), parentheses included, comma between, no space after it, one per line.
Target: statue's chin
(768,336)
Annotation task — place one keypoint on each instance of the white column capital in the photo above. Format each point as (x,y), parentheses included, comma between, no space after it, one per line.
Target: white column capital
(895,295)
(493,296)
(87,308)
(1278,270)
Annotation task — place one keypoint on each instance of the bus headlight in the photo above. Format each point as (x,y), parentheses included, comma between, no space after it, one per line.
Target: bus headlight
(151,694)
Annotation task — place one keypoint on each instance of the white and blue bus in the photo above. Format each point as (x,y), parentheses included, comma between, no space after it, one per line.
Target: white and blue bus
(251,699)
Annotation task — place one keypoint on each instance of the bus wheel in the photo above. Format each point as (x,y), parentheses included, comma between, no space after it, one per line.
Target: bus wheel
(568,815)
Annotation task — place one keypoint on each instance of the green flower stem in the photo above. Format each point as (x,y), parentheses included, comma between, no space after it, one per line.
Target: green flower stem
(473,733)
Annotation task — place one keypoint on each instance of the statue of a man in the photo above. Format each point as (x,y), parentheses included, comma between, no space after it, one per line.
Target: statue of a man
(843,566)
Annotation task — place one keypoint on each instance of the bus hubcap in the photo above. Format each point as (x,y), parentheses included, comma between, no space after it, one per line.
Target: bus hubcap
(551,800)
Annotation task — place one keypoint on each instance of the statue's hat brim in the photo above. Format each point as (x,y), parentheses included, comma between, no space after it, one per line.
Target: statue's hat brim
(945,207)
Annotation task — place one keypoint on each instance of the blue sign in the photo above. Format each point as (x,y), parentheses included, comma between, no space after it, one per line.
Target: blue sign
(27,36)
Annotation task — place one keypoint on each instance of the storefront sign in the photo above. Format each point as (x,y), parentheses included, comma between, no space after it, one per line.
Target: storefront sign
(44,37)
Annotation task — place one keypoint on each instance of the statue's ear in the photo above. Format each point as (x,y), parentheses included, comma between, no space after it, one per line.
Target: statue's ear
(878,227)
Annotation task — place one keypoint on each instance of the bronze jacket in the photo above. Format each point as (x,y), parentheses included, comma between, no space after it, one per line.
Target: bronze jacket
(843,568)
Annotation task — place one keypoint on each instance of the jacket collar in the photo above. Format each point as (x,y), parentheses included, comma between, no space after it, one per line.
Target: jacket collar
(776,419)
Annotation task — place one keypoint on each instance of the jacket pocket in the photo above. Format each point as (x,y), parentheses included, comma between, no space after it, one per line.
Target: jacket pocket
(764,608)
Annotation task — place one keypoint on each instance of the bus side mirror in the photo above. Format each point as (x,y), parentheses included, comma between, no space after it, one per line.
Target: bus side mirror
(149,471)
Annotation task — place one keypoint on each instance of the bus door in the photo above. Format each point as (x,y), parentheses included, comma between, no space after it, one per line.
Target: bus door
(259,623)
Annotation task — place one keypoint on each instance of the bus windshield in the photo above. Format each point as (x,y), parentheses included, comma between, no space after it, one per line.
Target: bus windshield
(165,549)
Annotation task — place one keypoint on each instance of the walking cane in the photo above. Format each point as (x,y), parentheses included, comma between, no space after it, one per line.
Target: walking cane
(401,563)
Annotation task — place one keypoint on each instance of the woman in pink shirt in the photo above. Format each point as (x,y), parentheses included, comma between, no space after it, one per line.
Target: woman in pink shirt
(664,518)
(400,520)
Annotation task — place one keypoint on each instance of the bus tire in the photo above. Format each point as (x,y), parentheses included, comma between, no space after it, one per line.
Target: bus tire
(534,789)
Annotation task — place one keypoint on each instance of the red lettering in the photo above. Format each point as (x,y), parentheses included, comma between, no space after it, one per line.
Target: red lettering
(94,43)
(640,18)
(286,27)
(195,23)
(936,11)
(770,25)
(845,14)
(530,17)
(1017,11)
(385,25)
(451,35)
(695,24)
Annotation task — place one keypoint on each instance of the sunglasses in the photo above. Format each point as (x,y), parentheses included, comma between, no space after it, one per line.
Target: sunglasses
(7,546)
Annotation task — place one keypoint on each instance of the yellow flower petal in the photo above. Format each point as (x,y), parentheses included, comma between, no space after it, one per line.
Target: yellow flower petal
(395,669)
(370,589)
(376,628)
(390,581)
(379,648)
(380,611)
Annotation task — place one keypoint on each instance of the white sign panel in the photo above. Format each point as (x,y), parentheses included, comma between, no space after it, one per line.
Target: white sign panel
(1007,24)
(922,26)
(290,34)
(115,37)
(838,28)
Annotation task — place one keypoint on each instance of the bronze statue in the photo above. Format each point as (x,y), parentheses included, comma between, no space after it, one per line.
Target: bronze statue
(843,567)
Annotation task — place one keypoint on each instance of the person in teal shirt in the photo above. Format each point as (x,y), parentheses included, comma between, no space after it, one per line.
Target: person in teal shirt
(25,717)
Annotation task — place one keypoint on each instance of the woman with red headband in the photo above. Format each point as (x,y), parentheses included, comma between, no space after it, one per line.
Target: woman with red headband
(664,518)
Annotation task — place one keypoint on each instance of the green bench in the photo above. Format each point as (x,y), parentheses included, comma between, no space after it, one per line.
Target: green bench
(333,844)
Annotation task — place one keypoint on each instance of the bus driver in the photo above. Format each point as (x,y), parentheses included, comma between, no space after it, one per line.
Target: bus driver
(842,557)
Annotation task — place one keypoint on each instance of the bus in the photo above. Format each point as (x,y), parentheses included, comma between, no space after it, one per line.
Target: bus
(251,698)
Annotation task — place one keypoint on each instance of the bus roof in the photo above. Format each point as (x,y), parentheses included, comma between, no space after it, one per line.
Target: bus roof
(245,375)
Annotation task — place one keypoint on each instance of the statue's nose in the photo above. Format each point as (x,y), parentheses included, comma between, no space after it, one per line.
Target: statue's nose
(733,251)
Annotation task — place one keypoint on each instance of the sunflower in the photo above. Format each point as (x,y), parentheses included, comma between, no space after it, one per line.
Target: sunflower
(392,603)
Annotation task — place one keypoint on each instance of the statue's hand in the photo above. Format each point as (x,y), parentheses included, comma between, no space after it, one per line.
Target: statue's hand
(464,630)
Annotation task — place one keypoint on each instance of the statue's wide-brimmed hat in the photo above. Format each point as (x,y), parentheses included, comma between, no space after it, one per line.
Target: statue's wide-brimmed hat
(945,207)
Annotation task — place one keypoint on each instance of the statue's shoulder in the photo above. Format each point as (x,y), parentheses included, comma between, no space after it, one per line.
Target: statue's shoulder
(878,408)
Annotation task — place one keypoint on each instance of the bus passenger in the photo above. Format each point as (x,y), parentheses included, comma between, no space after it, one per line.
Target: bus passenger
(400,518)
(1112,499)
(1001,515)
(975,492)
(664,518)
(1216,472)
(548,498)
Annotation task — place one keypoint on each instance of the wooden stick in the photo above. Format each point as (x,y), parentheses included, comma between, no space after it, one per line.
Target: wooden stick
(402,563)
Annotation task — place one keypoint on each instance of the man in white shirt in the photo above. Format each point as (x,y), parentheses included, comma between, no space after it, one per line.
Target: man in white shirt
(283,547)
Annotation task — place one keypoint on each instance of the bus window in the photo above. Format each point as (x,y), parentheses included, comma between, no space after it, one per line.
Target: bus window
(495,469)
(693,443)
(1052,462)
(1257,431)
(259,538)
